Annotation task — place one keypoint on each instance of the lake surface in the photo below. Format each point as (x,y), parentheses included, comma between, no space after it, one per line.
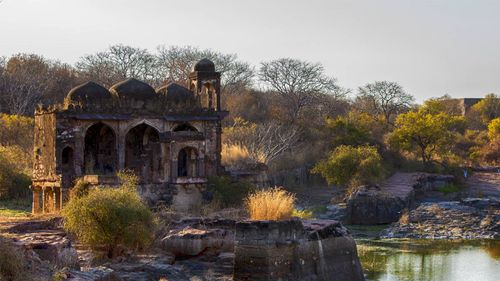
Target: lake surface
(427,260)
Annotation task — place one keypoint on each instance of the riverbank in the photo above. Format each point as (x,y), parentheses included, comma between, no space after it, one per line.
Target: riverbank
(469,218)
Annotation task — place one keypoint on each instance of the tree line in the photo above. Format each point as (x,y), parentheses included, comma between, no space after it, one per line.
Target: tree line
(285,113)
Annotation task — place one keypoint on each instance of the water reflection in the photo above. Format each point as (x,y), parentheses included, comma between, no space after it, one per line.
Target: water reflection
(427,260)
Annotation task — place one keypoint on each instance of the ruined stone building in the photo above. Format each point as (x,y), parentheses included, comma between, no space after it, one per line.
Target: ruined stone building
(170,137)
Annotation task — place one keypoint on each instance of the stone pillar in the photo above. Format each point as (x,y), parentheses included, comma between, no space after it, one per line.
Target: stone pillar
(36,208)
(57,199)
(121,152)
(48,200)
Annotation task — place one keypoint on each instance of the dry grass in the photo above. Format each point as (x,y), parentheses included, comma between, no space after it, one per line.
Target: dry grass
(234,155)
(405,217)
(270,204)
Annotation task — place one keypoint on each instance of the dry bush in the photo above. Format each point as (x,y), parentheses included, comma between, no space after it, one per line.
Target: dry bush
(234,155)
(12,262)
(270,204)
(405,217)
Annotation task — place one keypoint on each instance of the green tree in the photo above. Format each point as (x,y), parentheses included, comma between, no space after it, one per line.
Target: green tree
(488,108)
(108,217)
(348,165)
(426,134)
(494,129)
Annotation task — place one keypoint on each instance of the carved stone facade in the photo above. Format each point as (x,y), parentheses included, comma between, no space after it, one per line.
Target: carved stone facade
(170,137)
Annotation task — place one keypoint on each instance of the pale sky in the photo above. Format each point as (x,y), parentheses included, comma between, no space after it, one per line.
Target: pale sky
(430,47)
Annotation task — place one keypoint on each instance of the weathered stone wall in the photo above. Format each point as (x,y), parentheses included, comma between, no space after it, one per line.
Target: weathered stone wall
(295,250)
(45,147)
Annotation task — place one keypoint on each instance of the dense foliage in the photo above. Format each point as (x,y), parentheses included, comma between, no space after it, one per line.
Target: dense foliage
(16,146)
(110,218)
(428,134)
(349,165)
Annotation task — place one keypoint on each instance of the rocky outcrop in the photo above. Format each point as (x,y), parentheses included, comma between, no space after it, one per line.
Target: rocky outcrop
(385,203)
(194,237)
(471,218)
(295,250)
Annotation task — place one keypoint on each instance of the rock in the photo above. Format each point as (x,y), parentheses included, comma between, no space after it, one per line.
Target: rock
(295,250)
(189,241)
(52,246)
(373,207)
(467,219)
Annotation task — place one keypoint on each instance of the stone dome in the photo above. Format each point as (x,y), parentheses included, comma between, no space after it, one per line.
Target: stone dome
(88,93)
(174,92)
(204,65)
(133,89)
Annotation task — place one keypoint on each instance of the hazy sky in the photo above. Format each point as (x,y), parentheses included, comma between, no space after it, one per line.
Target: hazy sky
(430,47)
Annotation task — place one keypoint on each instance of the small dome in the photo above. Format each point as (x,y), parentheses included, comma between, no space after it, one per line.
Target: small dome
(204,65)
(133,89)
(89,92)
(174,92)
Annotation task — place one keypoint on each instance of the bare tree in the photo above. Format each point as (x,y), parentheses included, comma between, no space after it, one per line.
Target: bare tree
(175,64)
(300,83)
(265,141)
(383,98)
(24,83)
(117,63)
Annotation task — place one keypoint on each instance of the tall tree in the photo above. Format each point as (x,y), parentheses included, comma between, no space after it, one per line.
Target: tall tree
(119,62)
(383,98)
(175,63)
(426,134)
(299,83)
(25,81)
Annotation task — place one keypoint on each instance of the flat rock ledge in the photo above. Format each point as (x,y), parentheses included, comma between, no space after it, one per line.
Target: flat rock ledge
(470,218)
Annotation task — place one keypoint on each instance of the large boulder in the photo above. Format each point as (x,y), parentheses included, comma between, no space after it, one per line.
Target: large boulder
(295,250)
(193,237)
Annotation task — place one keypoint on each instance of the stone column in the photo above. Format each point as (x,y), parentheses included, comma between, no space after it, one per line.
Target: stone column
(57,199)
(121,151)
(36,201)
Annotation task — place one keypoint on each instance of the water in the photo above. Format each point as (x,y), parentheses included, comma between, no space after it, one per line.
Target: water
(427,260)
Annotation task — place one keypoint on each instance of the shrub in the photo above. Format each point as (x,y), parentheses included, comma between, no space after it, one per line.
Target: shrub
(14,176)
(449,188)
(303,214)
(80,189)
(12,262)
(348,165)
(112,218)
(270,204)
(228,193)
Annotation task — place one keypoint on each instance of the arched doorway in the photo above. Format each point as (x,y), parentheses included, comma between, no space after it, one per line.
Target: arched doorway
(67,166)
(100,155)
(143,152)
(187,162)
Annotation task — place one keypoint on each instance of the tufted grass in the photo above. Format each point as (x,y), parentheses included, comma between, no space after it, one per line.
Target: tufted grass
(270,204)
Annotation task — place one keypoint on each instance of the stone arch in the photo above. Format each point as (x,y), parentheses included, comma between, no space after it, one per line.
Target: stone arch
(143,152)
(187,162)
(100,153)
(184,127)
(140,122)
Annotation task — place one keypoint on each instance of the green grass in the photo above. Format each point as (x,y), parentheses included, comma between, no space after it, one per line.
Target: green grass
(15,207)
(449,188)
